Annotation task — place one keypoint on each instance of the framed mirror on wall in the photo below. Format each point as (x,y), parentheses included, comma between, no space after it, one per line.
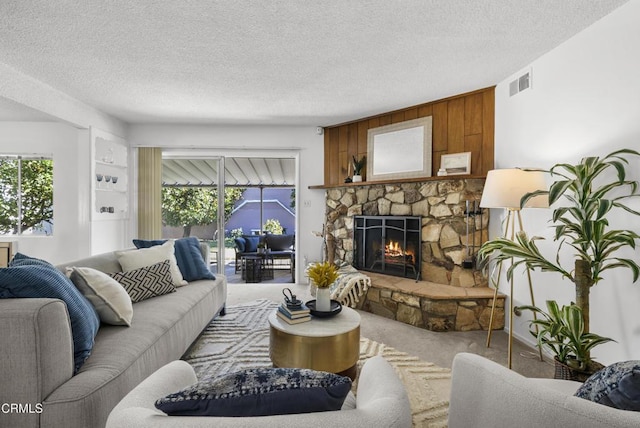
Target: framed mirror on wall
(400,150)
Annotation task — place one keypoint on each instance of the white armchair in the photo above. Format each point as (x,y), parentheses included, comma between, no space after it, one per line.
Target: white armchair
(381,401)
(486,394)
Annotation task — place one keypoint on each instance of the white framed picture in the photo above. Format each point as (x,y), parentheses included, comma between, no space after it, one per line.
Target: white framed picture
(456,163)
(400,150)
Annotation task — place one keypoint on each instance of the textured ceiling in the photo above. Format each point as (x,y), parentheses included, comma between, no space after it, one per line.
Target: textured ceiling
(294,62)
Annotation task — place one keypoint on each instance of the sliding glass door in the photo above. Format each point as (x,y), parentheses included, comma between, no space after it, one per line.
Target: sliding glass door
(193,201)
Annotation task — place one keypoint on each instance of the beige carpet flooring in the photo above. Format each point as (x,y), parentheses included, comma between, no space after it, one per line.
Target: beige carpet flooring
(240,340)
(436,347)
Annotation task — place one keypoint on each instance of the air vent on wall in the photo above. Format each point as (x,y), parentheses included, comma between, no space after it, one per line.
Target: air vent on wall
(520,84)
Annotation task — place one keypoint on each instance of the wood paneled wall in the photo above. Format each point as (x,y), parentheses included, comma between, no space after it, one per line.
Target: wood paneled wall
(464,123)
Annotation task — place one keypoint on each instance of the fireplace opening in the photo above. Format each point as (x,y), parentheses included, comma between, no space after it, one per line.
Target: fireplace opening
(388,244)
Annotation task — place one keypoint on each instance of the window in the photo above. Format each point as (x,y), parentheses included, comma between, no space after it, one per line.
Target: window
(26,195)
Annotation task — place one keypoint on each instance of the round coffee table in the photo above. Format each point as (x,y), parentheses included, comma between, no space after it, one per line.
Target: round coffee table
(325,344)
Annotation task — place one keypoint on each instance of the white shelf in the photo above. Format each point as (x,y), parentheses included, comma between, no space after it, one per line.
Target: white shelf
(109,156)
(111,190)
(114,165)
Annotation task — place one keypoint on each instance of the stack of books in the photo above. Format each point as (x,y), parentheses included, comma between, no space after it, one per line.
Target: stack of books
(294,316)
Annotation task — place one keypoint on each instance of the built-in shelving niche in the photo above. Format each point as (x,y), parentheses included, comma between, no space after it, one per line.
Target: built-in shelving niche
(109,163)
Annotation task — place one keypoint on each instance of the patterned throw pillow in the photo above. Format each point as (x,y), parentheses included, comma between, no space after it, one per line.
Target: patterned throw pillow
(131,260)
(617,385)
(190,261)
(146,282)
(28,277)
(107,296)
(259,392)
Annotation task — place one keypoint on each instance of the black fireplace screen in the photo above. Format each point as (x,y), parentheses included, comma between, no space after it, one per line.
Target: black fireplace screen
(388,244)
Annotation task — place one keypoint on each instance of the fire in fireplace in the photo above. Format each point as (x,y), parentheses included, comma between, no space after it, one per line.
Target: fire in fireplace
(388,244)
(394,253)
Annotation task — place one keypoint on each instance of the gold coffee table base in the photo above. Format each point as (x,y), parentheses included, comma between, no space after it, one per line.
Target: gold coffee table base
(334,353)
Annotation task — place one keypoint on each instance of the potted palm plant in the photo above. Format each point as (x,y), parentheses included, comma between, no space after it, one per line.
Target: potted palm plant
(591,188)
(561,331)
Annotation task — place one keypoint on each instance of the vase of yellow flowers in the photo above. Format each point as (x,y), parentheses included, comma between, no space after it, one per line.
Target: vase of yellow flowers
(322,275)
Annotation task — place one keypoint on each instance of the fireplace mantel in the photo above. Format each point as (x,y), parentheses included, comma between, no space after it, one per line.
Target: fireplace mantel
(398,181)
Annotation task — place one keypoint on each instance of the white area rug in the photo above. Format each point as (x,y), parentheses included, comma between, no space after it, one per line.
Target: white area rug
(240,340)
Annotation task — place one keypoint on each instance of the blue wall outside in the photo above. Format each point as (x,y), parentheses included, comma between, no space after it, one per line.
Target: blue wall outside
(247,216)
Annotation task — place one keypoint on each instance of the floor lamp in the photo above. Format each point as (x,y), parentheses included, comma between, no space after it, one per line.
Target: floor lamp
(504,188)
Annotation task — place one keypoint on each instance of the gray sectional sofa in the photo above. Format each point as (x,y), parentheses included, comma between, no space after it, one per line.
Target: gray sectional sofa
(36,351)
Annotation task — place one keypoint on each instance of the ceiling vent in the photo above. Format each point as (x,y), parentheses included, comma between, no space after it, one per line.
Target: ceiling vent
(520,84)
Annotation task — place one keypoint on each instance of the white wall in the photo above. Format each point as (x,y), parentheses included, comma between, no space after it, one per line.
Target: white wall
(69,141)
(301,141)
(585,100)
(71,234)
(26,90)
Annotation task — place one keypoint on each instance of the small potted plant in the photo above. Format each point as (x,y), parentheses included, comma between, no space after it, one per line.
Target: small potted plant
(357,168)
(322,275)
(562,332)
(262,248)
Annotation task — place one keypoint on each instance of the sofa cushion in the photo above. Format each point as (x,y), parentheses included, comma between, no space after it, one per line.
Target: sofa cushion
(259,392)
(279,242)
(107,296)
(251,243)
(240,244)
(617,385)
(188,256)
(131,260)
(146,282)
(33,278)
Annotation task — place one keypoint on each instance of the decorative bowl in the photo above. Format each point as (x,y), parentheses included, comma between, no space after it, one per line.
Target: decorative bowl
(336,307)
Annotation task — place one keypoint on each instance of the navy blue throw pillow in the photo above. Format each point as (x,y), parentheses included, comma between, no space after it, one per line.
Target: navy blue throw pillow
(188,256)
(148,243)
(240,244)
(28,277)
(251,243)
(22,259)
(617,385)
(190,260)
(259,392)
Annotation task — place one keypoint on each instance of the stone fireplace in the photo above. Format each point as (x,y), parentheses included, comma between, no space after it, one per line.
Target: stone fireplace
(451,293)
(447,231)
(388,244)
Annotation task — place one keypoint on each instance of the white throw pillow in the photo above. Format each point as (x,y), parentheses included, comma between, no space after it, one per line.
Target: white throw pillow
(136,259)
(108,297)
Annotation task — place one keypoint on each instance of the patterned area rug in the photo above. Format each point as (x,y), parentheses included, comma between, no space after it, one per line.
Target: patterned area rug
(240,340)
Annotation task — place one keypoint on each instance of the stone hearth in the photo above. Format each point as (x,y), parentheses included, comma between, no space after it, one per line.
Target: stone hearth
(435,307)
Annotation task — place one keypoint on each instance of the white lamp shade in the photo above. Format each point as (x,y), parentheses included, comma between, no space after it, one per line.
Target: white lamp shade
(504,188)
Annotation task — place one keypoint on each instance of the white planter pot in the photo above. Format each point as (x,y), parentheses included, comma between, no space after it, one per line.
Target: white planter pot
(323,299)
(356,178)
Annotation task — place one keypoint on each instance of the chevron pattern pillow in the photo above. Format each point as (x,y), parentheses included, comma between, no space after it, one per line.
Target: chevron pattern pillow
(146,282)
